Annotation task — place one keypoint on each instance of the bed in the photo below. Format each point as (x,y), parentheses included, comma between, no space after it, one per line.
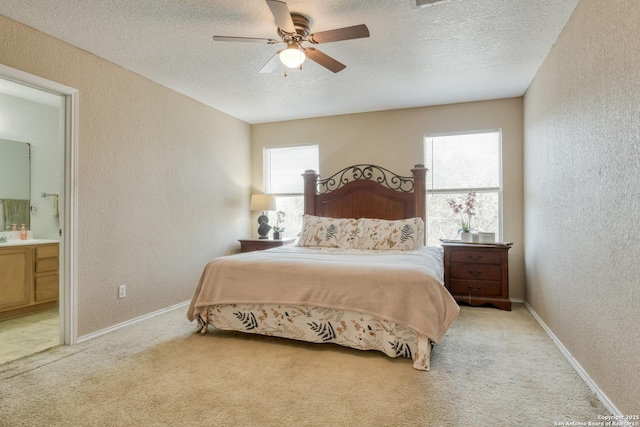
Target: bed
(359,275)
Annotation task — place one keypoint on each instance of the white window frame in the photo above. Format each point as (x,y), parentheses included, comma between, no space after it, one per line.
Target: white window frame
(266,167)
(499,190)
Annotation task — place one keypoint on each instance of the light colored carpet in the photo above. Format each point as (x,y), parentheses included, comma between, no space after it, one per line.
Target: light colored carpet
(493,368)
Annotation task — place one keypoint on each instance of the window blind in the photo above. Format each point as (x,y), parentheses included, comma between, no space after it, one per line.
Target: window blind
(461,162)
(284,167)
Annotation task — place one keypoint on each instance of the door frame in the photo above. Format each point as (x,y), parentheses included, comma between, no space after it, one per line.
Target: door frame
(68,299)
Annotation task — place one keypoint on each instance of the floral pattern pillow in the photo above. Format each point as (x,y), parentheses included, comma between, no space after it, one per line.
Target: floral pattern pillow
(399,235)
(327,232)
(364,233)
(349,234)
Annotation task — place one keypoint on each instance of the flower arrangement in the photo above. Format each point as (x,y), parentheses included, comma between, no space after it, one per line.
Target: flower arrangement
(279,219)
(466,210)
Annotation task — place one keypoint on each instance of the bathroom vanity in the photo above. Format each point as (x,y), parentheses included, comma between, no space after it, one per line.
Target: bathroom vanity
(29,281)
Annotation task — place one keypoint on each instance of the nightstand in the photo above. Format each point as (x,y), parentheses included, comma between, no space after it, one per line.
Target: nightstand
(250,245)
(477,274)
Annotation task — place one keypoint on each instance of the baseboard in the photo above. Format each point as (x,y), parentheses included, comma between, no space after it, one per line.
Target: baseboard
(130,322)
(583,374)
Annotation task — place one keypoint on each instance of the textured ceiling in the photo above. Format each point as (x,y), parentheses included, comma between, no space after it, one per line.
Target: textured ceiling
(455,51)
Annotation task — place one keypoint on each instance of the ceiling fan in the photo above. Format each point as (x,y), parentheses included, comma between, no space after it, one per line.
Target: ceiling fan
(294,30)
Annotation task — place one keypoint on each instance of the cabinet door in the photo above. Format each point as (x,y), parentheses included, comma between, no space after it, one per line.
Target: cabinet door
(15,277)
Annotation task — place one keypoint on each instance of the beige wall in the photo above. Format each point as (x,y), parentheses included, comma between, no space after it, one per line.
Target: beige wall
(163,185)
(395,140)
(582,194)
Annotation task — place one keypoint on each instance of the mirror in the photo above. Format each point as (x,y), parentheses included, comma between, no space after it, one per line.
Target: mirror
(15,183)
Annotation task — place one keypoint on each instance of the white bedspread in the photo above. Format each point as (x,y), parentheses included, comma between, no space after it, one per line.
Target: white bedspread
(401,287)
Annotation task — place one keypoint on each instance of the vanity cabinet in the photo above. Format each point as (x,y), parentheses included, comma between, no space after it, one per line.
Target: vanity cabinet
(29,279)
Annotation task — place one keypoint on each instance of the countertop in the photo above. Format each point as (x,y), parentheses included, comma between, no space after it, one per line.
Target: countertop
(14,242)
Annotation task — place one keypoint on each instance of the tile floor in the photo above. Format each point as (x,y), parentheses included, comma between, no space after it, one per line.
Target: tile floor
(29,334)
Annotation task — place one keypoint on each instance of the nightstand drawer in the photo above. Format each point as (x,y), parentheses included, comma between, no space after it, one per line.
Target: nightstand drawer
(484,257)
(492,289)
(475,271)
(250,247)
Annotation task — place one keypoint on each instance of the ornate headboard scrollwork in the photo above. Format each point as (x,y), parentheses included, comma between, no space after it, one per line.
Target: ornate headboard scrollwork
(371,172)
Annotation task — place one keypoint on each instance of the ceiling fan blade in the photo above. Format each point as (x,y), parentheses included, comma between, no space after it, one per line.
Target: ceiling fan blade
(280,11)
(245,39)
(271,64)
(346,33)
(325,60)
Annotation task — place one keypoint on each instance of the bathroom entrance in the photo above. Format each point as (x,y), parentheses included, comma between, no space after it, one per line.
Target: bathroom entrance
(37,127)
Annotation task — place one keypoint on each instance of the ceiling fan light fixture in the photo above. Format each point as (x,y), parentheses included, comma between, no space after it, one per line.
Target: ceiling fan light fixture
(293,56)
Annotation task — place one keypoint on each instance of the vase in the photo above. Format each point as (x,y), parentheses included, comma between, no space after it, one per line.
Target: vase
(276,235)
(466,236)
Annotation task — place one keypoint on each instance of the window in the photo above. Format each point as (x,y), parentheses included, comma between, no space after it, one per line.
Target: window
(283,169)
(459,164)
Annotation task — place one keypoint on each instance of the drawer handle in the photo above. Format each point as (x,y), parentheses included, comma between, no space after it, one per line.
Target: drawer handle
(475,273)
(475,257)
(476,288)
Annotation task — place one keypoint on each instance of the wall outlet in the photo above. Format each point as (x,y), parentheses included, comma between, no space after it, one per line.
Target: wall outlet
(122,291)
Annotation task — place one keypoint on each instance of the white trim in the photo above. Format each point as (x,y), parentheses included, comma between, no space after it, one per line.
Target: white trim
(573,362)
(462,132)
(517,300)
(70,230)
(35,81)
(69,239)
(130,322)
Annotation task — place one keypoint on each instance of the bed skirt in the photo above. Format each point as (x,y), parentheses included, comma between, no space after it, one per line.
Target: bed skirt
(321,325)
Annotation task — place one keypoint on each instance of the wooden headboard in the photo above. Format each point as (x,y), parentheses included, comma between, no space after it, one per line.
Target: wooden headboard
(366,191)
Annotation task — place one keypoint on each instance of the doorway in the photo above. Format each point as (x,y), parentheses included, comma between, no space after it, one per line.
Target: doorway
(46,225)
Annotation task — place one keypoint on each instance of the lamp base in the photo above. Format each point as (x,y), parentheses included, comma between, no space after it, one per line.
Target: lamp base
(264,229)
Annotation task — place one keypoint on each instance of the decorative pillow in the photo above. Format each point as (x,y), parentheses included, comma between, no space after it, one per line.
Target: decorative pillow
(349,234)
(399,235)
(326,232)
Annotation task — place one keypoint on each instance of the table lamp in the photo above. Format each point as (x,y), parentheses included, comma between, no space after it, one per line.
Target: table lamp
(263,202)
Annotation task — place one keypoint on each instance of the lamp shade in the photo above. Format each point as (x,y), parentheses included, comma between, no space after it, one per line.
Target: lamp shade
(263,202)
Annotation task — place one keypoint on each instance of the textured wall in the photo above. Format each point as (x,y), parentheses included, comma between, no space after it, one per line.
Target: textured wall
(395,140)
(582,194)
(163,185)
